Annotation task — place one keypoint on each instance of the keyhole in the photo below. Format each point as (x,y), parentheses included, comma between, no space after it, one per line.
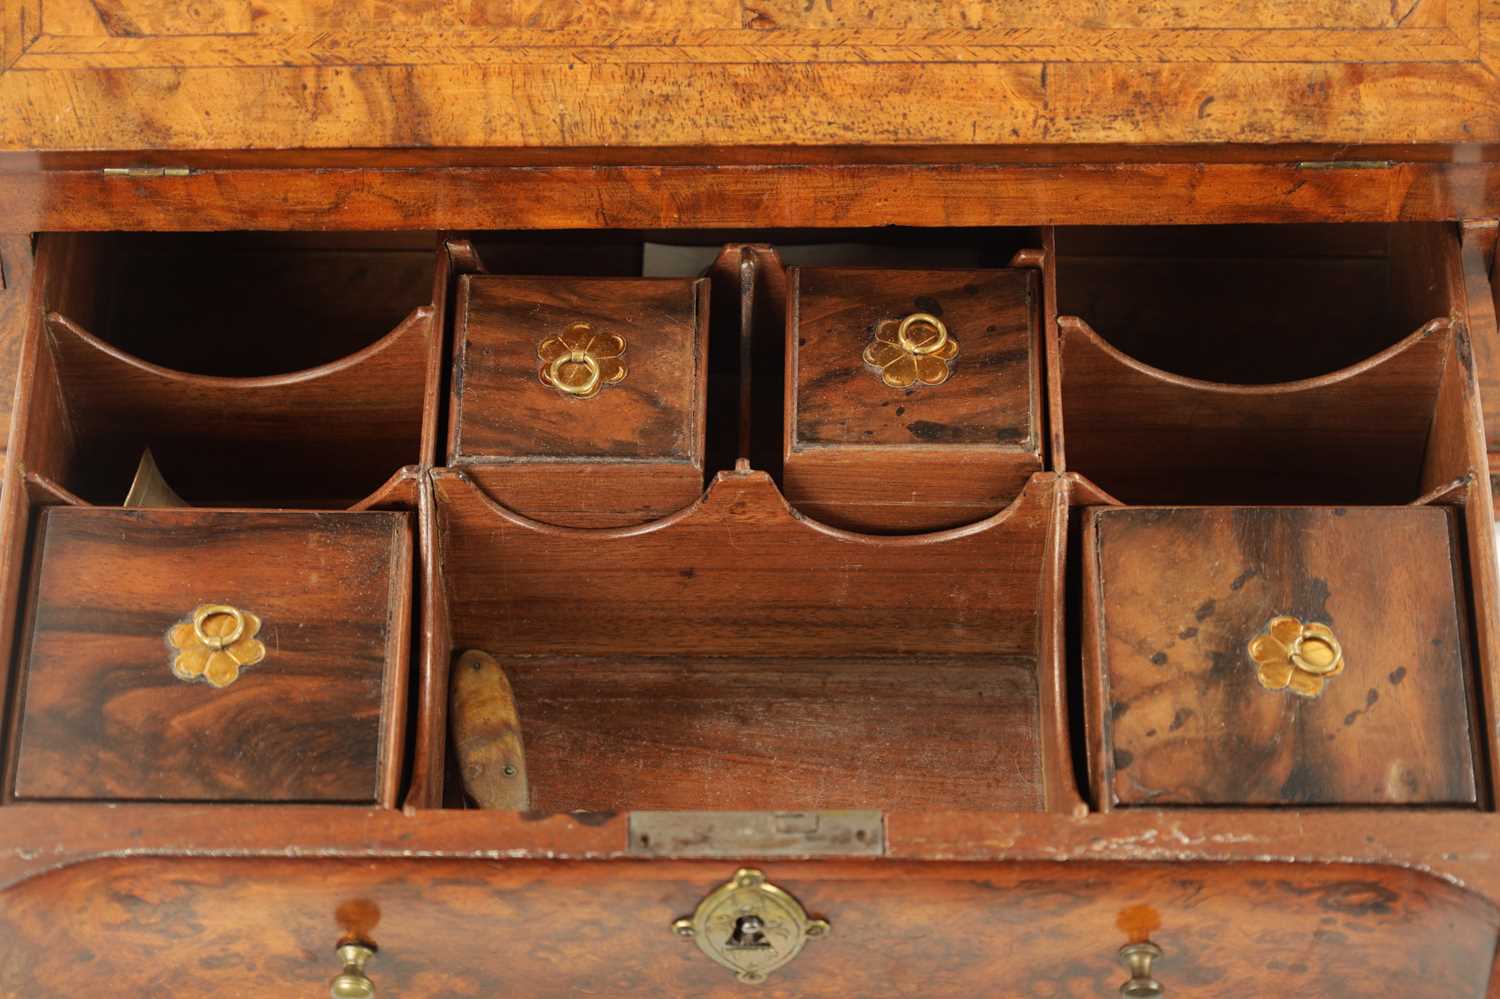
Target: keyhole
(749,934)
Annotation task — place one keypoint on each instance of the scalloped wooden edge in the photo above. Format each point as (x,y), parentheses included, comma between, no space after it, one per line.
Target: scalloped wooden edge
(1076,326)
(707,504)
(422,314)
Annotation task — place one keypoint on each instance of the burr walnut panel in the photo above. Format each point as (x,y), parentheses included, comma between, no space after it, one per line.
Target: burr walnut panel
(549,930)
(405,73)
(1189,709)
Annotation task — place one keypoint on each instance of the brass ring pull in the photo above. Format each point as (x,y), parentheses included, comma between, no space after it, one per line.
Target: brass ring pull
(218,642)
(1317,652)
(582,357)
(352,982)
(924,319)
(1138,958)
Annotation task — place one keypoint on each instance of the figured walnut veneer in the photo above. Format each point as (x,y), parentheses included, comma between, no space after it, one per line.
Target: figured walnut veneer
(629,453)
(1174,596)
(101,714)
(862,455)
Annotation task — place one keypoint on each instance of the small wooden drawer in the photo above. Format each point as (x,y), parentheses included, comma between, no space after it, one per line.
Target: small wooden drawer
(580,401)
(195,655)
(1262,656)
(912,396)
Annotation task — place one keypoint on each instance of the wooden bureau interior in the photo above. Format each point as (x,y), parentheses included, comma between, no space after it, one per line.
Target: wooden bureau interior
(679,637)
(640,500)
(712,656)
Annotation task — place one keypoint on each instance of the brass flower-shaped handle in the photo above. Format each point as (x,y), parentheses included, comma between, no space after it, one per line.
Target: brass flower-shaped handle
(579,362)
(1297,657)
(214,643)
(914,350)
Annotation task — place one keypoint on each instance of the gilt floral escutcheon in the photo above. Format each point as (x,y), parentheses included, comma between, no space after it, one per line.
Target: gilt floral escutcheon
(1302,658)
(912,351)
(214,644)
(581,361)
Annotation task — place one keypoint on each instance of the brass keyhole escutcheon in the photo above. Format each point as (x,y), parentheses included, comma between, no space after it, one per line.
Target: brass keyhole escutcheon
(750,926)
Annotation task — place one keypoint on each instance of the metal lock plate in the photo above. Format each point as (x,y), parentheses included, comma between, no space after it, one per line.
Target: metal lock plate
(750,926)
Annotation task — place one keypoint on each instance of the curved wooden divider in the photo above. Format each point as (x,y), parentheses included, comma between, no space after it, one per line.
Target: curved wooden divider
(741,573)
(328,435)
(1356,435)
(739,655)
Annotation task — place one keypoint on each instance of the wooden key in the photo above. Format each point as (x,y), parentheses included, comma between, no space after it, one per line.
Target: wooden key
(487,733)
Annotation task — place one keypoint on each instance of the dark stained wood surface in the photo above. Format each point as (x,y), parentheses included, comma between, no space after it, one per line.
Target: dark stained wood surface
(1148,436)
(1482,292)
(17,265)
(1274,187)
(1236,304)
(632,452)
(862,455)
(474,928)
(615,734)
(299,299)
(990,395)
(1173,596)
(740,574)
(103,716)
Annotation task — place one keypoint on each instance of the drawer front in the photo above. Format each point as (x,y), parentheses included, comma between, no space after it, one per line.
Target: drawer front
(581,401)
(544,930)
(913,396)
(1264,656)
(214,656)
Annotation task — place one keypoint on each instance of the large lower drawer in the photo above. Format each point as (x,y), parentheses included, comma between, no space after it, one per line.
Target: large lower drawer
(269,927)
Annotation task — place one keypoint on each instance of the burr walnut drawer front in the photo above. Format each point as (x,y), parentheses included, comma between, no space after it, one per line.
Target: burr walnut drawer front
(913,397)
(198,655)
(1263,656)
(269,926)
(581,401)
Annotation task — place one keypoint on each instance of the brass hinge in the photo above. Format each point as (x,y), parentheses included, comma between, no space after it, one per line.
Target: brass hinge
(681,835)
(147,171)
(1346,164)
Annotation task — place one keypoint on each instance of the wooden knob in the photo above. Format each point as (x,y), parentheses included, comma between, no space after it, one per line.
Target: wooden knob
(1138,958)
(352,982)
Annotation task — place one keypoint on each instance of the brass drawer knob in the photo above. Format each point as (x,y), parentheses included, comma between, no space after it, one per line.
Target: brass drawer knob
(1138,958)
(352,982)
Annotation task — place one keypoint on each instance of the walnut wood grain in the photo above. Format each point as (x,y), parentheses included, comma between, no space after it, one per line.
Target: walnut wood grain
(740,574)
(128,76)
(324,436)
(631,453)
(1149,436)
(1235,304)
(1482,300)
(103,716)
(16,267)
(616,733)
(1045,929)
(1172,598)
(864,456)
(753,196)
